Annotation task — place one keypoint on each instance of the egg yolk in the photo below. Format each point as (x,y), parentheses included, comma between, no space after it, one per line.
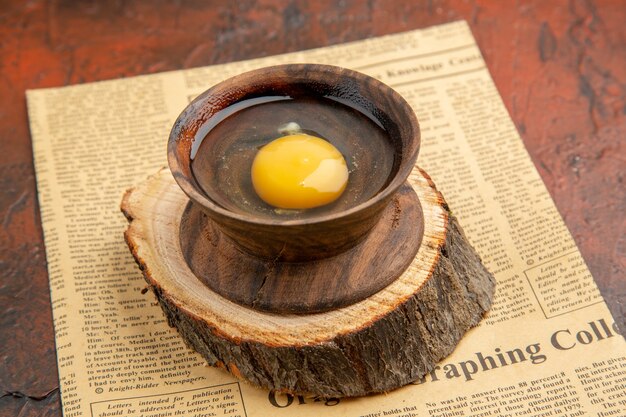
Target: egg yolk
(299,171)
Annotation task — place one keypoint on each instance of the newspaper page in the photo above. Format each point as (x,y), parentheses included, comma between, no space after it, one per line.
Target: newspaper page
(548,347)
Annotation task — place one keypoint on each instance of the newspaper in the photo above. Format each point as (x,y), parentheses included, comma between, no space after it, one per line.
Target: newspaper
(548,347)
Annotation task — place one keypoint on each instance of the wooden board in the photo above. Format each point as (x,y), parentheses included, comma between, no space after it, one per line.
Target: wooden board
(387,340)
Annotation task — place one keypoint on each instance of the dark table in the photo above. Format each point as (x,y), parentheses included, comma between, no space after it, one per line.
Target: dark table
(559,66)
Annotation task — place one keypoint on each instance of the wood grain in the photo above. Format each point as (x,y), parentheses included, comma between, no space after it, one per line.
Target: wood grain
(556,65)
(400,332)
(305,287)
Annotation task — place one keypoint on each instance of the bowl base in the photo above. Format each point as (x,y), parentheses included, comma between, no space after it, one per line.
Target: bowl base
(305,287)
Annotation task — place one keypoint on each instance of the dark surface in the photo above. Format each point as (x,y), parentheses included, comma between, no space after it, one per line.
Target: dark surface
(560,68)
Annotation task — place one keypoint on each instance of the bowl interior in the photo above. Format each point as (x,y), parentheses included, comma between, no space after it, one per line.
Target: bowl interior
(214,141)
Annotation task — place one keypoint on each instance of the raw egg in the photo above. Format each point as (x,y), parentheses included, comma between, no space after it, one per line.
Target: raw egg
(299,171)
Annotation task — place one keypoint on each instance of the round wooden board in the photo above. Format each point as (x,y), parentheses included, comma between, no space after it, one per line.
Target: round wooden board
(387,340)
(306,287)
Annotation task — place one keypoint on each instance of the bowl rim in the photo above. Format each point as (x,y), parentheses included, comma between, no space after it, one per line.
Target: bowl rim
(261,75)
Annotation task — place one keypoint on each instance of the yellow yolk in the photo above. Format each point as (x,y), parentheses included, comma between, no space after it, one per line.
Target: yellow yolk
(299,171)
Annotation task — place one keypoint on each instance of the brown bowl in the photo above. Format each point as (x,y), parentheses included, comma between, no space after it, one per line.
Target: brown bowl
(318,235)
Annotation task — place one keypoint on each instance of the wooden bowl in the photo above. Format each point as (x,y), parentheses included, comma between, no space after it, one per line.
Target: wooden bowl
(317,236)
